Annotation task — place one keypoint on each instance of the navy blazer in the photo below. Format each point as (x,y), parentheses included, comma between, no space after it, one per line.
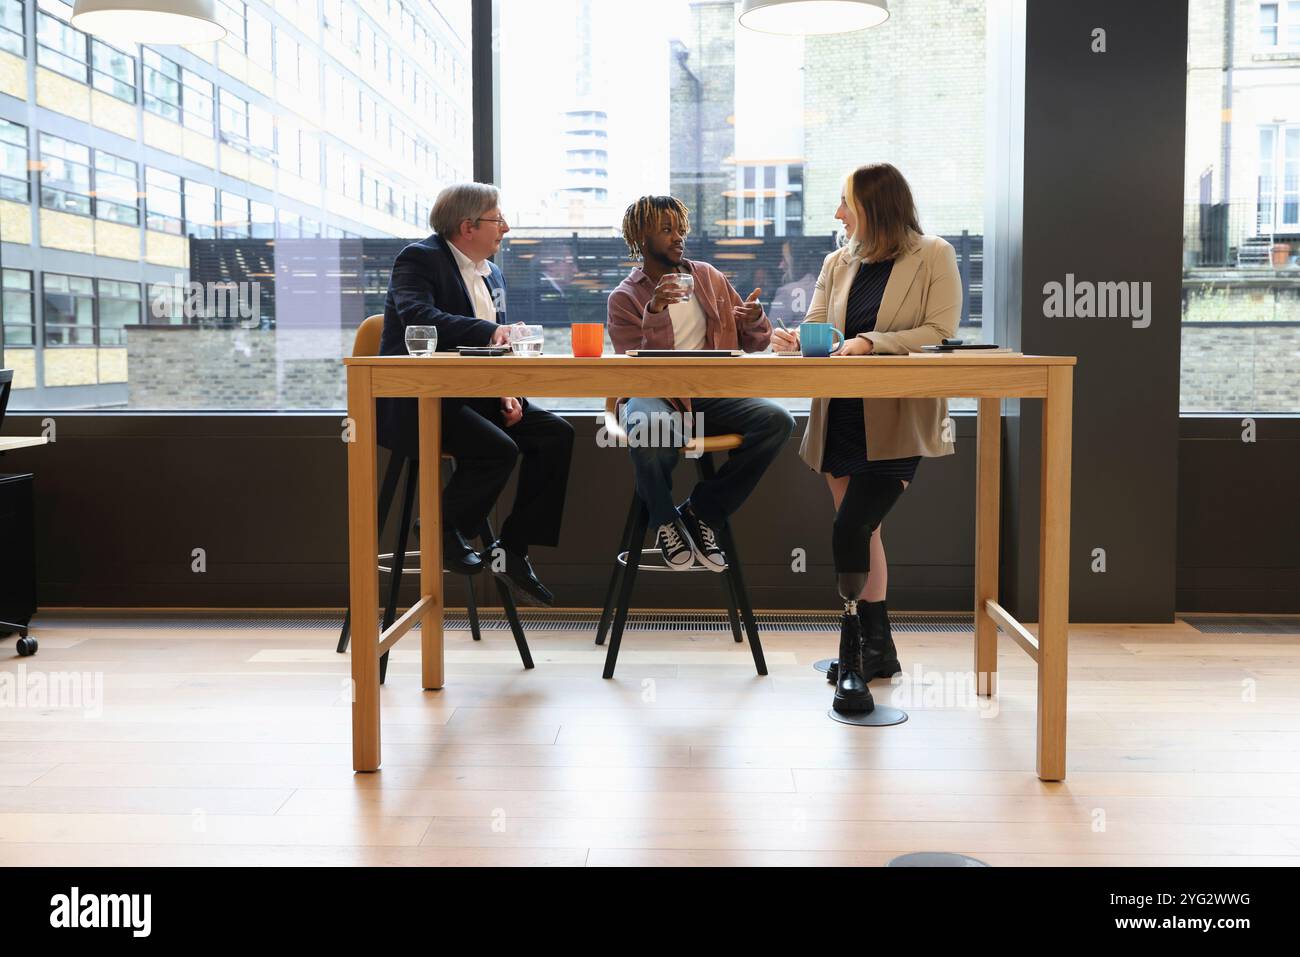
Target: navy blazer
(426,289)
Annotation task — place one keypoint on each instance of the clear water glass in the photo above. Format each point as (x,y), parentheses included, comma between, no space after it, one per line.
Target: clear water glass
(421,340)
(684,280)
(526,340)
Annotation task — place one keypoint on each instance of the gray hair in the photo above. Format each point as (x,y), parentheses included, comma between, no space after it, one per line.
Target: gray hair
(460,202)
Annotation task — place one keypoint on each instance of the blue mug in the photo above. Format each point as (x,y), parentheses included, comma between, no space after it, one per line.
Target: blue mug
(816,338)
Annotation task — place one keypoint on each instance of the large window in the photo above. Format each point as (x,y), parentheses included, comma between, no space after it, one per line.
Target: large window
(58,46)
(68,303)
(117,189)
(234,119)
(231,15)
(19,310)
(163,201)
(112,71)
(119,306)
(1278,25)
(162,86)
(65,175)
(132,212)
(754,133)
(13,162)
(234,215)
(197,102)
(200,210)
(13,36)
(1241,280)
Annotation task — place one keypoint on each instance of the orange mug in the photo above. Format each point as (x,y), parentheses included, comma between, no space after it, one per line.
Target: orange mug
(588,338)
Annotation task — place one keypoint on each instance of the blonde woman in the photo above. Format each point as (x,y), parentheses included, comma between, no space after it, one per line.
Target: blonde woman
(891,290)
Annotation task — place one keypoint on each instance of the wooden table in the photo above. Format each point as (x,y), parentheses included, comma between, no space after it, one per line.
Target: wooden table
(988,378)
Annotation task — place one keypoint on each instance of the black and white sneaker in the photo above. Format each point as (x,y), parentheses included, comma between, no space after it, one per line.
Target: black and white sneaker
(675,547)
(707,551)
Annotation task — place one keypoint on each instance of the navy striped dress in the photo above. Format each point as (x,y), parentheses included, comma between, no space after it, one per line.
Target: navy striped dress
(846,430)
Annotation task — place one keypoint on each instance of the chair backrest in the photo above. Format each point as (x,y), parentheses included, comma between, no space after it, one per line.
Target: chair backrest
(368,336)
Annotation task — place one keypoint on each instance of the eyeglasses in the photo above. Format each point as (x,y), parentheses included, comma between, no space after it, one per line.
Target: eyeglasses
(487,219)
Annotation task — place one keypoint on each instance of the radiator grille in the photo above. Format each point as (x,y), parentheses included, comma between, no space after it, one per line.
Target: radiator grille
(1244,624)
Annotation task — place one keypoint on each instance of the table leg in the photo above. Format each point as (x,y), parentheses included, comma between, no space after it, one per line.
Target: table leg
(988,517)
(363,578)
(1054,573)
(431,585)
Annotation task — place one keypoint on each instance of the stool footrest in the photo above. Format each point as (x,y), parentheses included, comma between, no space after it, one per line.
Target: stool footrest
(406,569)
(661,567)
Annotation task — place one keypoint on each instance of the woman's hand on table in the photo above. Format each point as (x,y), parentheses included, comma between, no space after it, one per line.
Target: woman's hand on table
(857,346)
(783,340)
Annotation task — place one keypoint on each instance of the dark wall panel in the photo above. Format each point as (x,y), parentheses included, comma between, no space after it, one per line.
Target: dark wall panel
(123,500)
(1103,167)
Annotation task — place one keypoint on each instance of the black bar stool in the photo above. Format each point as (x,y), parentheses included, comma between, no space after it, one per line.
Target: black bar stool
(367,344)
(618,594)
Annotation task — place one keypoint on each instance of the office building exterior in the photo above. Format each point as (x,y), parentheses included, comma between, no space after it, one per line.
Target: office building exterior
(311,124)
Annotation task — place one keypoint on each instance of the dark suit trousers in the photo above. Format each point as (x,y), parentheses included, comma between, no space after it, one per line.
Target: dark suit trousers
(473,430)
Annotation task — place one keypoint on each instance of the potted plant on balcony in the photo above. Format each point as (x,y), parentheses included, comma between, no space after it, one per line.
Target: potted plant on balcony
(1281,255)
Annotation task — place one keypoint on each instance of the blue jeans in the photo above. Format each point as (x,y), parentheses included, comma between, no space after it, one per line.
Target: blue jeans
(765,425)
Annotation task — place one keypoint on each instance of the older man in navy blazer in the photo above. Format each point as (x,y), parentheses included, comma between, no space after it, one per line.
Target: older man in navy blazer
(448,281)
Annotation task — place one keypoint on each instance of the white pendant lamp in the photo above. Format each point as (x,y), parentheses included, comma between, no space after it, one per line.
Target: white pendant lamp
(149,21)
(812,17)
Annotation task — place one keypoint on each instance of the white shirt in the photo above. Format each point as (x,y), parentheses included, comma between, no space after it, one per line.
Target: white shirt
(474,273)
(689,330)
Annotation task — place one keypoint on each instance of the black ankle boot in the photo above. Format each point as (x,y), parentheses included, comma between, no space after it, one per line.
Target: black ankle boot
(852,696)
(879,656)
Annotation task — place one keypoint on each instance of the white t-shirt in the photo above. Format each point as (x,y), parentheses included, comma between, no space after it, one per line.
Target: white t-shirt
(688,324)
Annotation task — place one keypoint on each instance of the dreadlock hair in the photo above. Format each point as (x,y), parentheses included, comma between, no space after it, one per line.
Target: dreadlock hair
(644,214)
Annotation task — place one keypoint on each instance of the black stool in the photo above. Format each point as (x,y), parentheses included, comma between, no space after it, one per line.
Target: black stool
(398,568)
(618,594)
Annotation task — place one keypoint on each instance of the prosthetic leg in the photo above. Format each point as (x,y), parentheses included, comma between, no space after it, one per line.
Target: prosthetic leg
(866,502)
(852,696)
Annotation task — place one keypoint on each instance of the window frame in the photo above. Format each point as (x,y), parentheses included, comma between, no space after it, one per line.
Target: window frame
(100,299)
(1273,172)
(5,177)
(18,45)
(113,82)
(88,196)
(1285,26)
(147,70)
(46,325)
(6,293)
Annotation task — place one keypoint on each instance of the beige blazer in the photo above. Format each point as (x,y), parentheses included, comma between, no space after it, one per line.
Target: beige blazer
(921,306)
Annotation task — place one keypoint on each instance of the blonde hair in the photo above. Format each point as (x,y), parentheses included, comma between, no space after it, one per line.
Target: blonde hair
(884,214)
(645,214)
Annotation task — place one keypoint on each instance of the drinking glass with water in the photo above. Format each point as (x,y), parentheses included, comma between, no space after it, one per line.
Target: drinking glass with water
(526,340)
(421,340)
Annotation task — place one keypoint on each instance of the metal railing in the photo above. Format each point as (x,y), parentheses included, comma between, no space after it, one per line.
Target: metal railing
(1238,235)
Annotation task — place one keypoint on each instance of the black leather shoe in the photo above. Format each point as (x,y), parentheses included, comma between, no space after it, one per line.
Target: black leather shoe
(852,696)
(879,656)
(525,587)
(458,555)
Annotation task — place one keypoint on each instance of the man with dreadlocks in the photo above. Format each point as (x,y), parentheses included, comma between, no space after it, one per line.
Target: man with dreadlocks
(652,310)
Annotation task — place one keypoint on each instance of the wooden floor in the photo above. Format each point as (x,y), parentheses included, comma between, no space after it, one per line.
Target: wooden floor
(221,743)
